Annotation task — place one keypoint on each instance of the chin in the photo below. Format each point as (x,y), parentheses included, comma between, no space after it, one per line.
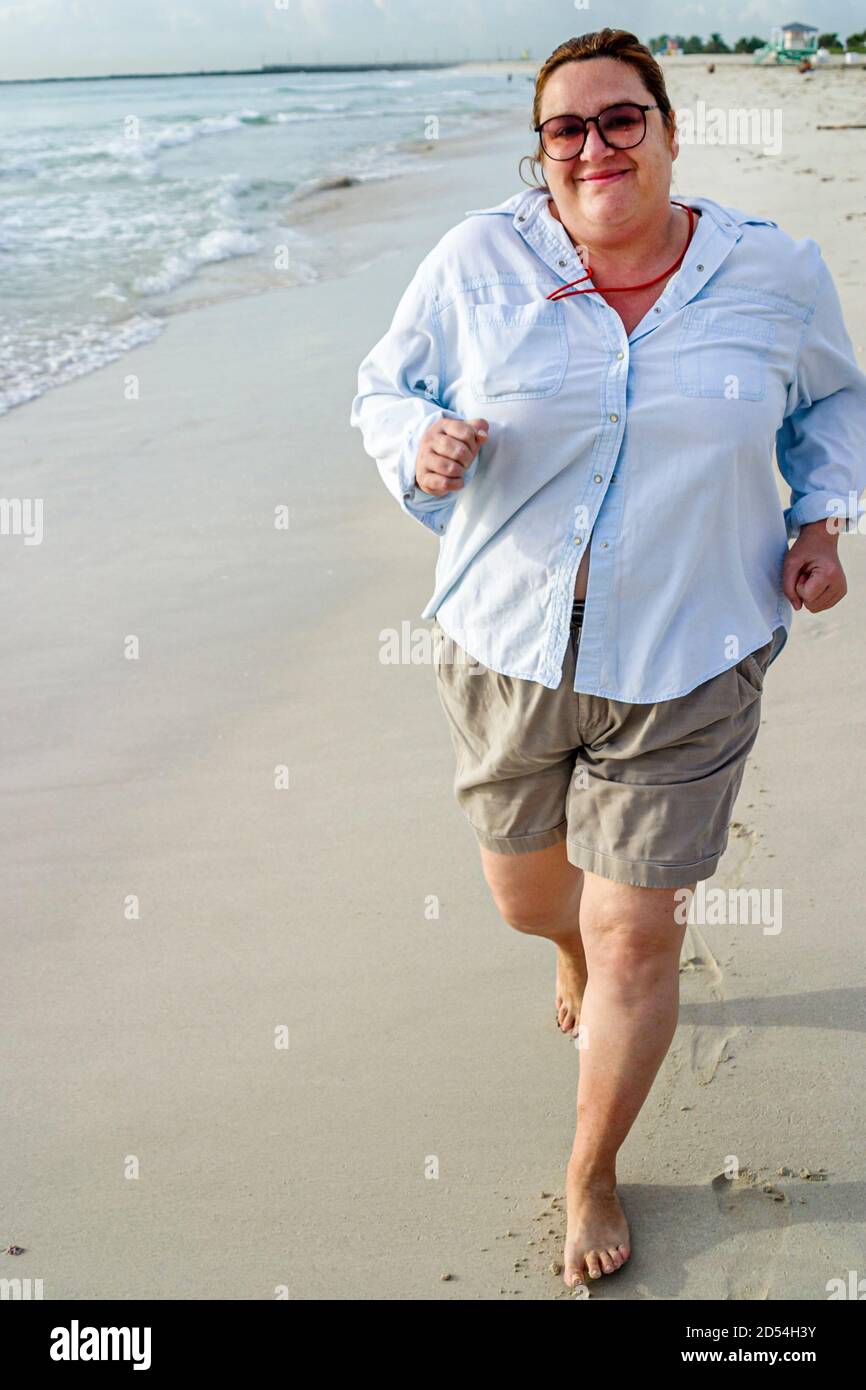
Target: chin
(624,193)
(620,194)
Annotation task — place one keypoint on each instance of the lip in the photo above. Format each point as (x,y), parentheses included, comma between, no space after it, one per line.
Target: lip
(604,178)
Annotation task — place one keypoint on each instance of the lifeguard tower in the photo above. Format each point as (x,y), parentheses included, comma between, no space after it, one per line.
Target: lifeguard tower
(789,43)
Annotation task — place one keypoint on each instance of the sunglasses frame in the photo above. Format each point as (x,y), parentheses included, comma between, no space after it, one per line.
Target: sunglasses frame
(593,120)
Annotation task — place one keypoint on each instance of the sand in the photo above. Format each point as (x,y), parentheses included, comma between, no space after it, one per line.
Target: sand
(157,1142)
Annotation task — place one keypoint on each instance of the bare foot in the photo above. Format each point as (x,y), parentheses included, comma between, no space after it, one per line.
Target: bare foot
(570,984)
(597,1235)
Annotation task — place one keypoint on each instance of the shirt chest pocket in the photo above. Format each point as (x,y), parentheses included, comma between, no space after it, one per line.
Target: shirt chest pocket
(720,353)
(516,351)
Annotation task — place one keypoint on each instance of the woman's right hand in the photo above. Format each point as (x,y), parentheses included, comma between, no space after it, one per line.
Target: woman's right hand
(447,448)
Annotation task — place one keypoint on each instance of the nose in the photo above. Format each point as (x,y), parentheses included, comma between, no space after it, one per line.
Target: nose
(594,147)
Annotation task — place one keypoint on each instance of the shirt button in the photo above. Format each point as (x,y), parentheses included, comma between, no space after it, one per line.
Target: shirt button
(604,545)
(700,267)
(577,540)
(598,477)
(620,356)
(562,262)
(614,418)
(656,310)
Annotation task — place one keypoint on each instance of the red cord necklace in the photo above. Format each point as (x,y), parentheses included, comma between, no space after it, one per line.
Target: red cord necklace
(563,291)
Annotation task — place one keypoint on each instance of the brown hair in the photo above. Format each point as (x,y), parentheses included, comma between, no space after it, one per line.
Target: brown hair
(604,43)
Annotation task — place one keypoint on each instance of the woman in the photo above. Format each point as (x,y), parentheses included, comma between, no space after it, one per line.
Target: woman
(580,394)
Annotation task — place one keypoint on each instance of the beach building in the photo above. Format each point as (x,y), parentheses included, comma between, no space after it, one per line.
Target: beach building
(789,43)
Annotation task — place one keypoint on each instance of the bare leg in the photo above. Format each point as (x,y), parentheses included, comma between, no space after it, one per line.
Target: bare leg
(629,1015)
(540,893)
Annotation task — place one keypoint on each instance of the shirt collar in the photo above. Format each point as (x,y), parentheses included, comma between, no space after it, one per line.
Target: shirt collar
(716,234)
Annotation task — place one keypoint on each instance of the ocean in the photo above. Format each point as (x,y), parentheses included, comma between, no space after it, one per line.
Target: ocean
(127,200)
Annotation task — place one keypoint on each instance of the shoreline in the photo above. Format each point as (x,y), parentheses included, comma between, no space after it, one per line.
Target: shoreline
(318,214)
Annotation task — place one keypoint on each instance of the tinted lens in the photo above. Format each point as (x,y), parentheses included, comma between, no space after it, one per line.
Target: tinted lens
(562,137)
(623,126)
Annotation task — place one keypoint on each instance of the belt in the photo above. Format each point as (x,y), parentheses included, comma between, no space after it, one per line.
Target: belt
(577,607)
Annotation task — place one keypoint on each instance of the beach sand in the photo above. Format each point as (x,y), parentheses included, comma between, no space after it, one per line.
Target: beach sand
(418,1124)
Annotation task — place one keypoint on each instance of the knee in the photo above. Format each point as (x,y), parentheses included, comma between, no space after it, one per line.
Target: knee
(538,894)
(629,951)
(539,916)
(522,914)
(533,913)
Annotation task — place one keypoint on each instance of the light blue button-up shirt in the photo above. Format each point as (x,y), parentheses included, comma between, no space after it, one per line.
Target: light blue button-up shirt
(654,448)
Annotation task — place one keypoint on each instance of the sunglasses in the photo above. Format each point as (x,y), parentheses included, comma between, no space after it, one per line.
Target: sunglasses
(621,127)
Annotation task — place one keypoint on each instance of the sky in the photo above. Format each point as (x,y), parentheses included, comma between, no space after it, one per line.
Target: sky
(42,38)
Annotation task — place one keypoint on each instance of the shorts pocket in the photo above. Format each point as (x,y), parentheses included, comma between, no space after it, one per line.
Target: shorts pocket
(723,354)
(517,351)
(452,662)
(753,667)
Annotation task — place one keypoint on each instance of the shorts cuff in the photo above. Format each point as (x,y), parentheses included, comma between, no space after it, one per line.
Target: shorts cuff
(521,844)
(640,873)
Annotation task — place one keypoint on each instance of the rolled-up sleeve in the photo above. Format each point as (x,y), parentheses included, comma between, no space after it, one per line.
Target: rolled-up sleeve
(400,383)
(821,445)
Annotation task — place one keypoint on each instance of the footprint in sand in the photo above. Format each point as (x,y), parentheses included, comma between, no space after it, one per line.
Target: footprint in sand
(709,1048)
(756,1216)
(709,1044)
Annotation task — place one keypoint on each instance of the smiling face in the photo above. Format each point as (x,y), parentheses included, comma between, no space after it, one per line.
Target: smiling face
(602,189)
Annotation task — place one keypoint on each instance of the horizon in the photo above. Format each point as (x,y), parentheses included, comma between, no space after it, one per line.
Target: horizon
(266,68)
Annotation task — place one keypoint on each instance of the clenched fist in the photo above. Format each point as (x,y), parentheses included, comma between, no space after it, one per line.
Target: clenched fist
(447,448)
(812,575)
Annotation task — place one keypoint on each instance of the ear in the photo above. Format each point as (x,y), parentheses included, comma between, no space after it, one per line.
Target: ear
(675,139)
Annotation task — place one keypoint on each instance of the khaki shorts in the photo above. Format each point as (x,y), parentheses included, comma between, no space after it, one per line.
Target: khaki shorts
(641,794)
